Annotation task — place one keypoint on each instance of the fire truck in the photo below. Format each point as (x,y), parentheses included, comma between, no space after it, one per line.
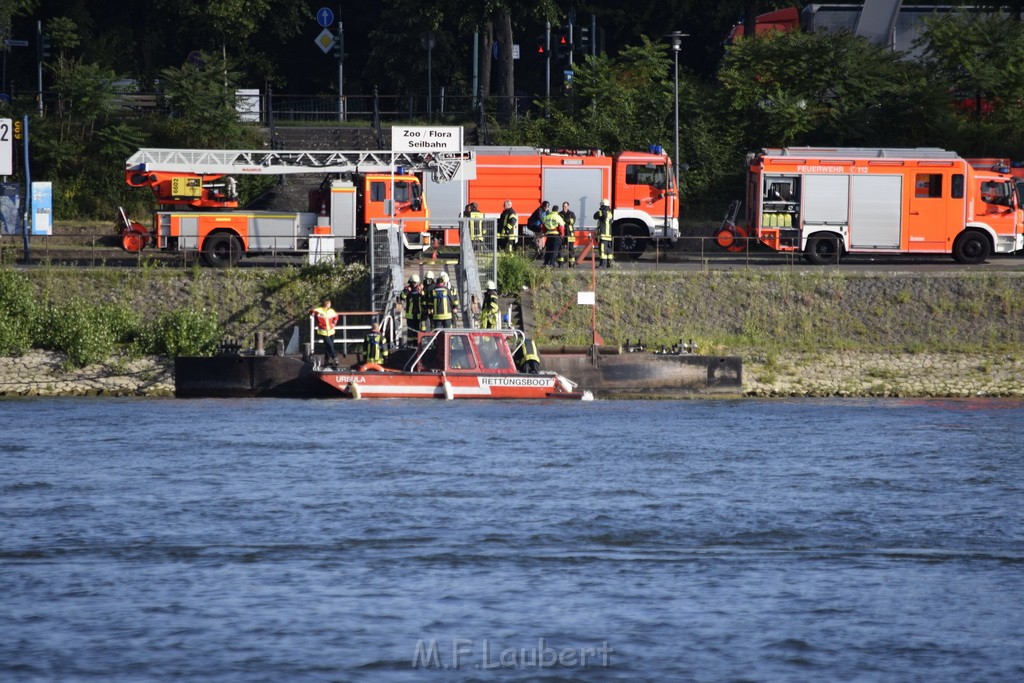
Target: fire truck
(824,202)
(640,186)
(198,199)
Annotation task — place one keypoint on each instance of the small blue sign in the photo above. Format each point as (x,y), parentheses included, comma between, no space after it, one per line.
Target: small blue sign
(324,16)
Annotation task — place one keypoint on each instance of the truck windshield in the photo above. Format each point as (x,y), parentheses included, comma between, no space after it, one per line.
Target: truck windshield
(997,192)
(402,194)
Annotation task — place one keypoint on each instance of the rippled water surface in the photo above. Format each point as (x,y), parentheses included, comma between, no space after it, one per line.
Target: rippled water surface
(275,540)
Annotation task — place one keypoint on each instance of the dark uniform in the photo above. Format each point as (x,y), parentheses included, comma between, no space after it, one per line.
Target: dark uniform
(527,357)
(604,235)
(508,227)
(490,311)
(476,223)
(412,309)
(445,303)
(375,349)
(568,254)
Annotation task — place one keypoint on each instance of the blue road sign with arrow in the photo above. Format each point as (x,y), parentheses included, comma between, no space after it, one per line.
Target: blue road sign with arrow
(324,16)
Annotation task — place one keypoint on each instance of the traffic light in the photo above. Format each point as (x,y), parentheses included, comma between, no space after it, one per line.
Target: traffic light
(44,46)
(582,39)
(339,47)
(562,45)
(542,48)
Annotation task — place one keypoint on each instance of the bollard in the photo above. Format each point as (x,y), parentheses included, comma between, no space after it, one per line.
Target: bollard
(260,339)
(279,347)
(307,351)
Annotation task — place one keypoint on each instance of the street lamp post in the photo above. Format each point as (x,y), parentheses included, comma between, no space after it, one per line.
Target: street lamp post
(676,41)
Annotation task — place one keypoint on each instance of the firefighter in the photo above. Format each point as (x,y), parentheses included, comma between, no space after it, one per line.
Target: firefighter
(411,301)
(476,223)
(604,234)
(568,254)
(554,226)
(427,302)
(325,318)
(508,227)
(446,303)
(375,349)
(527,357)
(491,309)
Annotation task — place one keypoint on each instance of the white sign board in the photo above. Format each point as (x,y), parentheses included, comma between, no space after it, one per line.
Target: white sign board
(586,298)
(426,139)
(247,104)
(6,147)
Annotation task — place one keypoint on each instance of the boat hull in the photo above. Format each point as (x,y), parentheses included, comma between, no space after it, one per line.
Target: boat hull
(437,385)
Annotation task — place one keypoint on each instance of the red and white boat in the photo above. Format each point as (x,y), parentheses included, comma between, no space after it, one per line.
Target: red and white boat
(454,363)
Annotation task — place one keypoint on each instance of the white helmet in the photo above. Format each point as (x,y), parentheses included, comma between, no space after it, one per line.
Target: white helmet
(429,275)
(444,276)
(605,202)
(491,285)
(415,279)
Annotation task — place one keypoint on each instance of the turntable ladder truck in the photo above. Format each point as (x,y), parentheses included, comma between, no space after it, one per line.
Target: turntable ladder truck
(198,200)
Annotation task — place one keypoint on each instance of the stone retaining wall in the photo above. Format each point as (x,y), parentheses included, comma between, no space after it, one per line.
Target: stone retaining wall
(846,373)
(40,373)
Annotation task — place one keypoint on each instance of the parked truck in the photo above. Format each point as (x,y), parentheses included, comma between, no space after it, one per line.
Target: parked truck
(353,192)
(826,202)
(641,187)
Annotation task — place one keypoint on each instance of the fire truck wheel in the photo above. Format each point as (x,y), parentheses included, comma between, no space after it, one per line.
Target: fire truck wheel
(221,250)
(822,250)
(630,240)
(971,247)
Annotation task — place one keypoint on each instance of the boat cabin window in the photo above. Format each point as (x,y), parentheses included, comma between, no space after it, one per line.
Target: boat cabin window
(460,357)
(491,356)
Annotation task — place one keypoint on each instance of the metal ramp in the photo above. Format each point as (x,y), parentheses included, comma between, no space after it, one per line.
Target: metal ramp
(386,277)
(478,262)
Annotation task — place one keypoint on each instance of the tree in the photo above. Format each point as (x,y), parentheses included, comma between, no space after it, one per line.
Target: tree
(201,94)
(823,88)
(978,60)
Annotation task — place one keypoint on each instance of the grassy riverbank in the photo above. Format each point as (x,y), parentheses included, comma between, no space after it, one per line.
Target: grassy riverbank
(817,333)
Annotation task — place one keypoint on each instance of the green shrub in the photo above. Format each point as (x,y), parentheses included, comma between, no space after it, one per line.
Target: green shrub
(514,272)
(17,308)
(184,332)
(78,328)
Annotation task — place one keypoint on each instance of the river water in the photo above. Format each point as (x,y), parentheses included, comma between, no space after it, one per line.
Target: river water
(277,540)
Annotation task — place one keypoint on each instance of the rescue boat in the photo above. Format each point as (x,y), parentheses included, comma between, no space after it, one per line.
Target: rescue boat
(450,364)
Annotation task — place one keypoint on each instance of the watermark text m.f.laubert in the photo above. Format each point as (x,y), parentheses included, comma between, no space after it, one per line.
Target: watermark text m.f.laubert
(485,654)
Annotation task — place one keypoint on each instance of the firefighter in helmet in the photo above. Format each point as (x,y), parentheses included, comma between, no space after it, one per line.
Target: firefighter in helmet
(490,309)
(604,234)
(445,303)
